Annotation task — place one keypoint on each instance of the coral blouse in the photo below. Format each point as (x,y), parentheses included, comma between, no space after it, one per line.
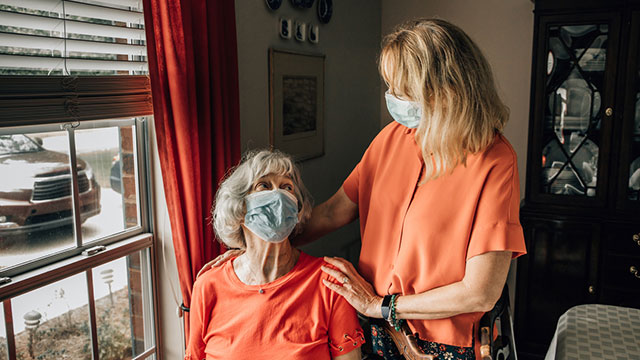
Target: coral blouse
(293,317)
(417,238)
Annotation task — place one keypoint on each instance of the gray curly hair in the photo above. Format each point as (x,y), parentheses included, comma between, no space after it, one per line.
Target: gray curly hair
(229,209)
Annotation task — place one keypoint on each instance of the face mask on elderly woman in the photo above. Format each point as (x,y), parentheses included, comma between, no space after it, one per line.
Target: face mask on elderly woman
(407,113)
(271,214)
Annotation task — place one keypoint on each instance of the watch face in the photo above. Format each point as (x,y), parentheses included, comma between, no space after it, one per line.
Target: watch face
(302,3)
(274,4)
(325,10)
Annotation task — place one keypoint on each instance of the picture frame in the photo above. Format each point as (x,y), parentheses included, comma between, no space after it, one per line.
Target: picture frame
(296,103)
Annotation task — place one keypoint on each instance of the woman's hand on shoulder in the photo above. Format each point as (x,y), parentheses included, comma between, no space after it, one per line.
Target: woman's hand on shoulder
(221,259)
(353,287)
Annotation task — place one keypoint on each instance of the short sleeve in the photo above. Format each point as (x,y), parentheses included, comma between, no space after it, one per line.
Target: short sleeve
(496,225)
(345,333)
(198,323)
(351,184)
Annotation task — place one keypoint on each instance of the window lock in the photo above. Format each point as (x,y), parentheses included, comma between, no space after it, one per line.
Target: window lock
(94,250)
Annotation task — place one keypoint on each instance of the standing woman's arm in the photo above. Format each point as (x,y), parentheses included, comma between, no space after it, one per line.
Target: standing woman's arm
(329,216)
(352,355)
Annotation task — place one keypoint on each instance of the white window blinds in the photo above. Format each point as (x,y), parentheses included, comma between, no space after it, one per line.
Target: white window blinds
(72,37)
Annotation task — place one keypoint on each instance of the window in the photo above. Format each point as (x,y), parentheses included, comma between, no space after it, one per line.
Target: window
(76,250)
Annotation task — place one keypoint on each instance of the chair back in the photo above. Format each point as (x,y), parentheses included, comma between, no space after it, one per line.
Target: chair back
(496,331)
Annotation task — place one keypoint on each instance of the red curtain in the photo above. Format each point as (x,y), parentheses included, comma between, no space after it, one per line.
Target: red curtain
(193,67)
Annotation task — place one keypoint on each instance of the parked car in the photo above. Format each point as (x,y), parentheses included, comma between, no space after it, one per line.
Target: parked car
(114,175)
(35,186)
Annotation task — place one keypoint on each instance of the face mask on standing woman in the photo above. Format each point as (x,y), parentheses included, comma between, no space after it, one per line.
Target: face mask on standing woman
(407,113)
(272,214)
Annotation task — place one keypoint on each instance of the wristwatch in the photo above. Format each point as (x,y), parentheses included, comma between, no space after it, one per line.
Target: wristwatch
(385,306)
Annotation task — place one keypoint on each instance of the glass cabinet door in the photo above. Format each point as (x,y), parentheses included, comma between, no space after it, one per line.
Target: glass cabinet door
(629,183)
(573,109)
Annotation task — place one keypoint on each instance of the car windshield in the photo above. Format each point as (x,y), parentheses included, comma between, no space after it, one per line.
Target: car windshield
(14,144)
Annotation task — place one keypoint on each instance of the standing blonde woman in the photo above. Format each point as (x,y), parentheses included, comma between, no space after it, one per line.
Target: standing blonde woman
(437,195)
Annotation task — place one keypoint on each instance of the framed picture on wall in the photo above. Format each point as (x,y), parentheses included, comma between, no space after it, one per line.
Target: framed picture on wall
(296,103)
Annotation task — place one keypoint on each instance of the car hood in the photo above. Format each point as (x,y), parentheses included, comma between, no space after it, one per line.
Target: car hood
(20,170)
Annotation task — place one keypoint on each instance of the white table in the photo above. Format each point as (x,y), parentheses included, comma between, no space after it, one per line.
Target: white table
(596,332)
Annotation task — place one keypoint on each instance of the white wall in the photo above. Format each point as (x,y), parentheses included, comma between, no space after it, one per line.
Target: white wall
(171,329)
(350,42)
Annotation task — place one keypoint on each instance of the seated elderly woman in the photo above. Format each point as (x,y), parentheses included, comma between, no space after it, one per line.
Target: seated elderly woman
(269,302)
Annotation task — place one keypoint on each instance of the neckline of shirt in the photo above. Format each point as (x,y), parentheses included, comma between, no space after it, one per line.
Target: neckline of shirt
(235,280)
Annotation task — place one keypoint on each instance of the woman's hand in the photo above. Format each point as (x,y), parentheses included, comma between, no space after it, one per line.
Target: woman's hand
(356,290)
(221,259)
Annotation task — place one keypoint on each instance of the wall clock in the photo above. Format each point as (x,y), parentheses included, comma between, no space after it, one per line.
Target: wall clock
(273,4)
(302,3)
(325,10)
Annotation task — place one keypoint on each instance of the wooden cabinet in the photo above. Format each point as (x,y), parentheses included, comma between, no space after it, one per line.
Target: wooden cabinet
(581,212)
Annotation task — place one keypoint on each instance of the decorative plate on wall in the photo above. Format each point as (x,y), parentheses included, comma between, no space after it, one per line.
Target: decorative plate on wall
(302,3)
(274,4)
(325,10)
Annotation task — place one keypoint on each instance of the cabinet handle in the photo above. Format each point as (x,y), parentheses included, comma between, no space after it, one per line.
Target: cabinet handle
(634,270)
(592,290)
(636,238)
(609,111)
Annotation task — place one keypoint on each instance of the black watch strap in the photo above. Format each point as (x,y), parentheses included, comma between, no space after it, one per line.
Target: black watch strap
(385,306)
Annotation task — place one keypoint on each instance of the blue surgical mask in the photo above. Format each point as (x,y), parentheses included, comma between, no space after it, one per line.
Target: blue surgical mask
(271,214)
(407,113)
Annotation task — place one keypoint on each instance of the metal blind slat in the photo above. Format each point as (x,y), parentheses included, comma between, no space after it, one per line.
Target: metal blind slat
(135,4)
(37,22)
(55,44)
(51,63)
(74,8)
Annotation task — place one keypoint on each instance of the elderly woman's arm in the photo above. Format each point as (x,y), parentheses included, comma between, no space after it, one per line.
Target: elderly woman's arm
(332,214)
(478,291)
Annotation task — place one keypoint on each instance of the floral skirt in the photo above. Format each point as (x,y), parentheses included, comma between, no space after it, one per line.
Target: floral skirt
(383,346)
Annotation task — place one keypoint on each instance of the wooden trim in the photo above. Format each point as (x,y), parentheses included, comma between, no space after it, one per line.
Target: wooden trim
(45,275)
(92,315)
(146,354)
(8,322)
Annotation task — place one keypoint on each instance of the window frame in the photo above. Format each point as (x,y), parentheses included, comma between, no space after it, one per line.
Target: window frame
(144,192)
(31,275)
(38,103)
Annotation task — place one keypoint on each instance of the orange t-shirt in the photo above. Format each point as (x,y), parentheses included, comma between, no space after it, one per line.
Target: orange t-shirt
(417,238)
(295,316)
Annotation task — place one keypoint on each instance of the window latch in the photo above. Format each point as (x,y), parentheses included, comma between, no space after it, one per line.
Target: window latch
(5,280)
(94,250)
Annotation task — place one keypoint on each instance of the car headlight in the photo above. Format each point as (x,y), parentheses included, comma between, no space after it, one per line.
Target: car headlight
(89,171)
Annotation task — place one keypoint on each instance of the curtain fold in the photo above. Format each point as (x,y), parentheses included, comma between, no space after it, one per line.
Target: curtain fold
(194,80)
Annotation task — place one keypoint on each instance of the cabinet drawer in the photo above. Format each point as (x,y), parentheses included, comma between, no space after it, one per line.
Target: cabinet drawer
(624,298)
(617,272)
(625,241)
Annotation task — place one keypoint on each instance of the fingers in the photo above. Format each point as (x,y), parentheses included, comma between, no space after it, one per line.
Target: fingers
(340,290)
(221,259)
(340,263)
(334,273)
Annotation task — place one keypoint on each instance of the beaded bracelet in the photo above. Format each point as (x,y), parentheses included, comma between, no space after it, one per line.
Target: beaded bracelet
(397,324)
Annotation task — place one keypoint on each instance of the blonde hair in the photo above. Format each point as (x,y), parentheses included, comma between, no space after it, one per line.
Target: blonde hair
(229,207)
(434,63)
